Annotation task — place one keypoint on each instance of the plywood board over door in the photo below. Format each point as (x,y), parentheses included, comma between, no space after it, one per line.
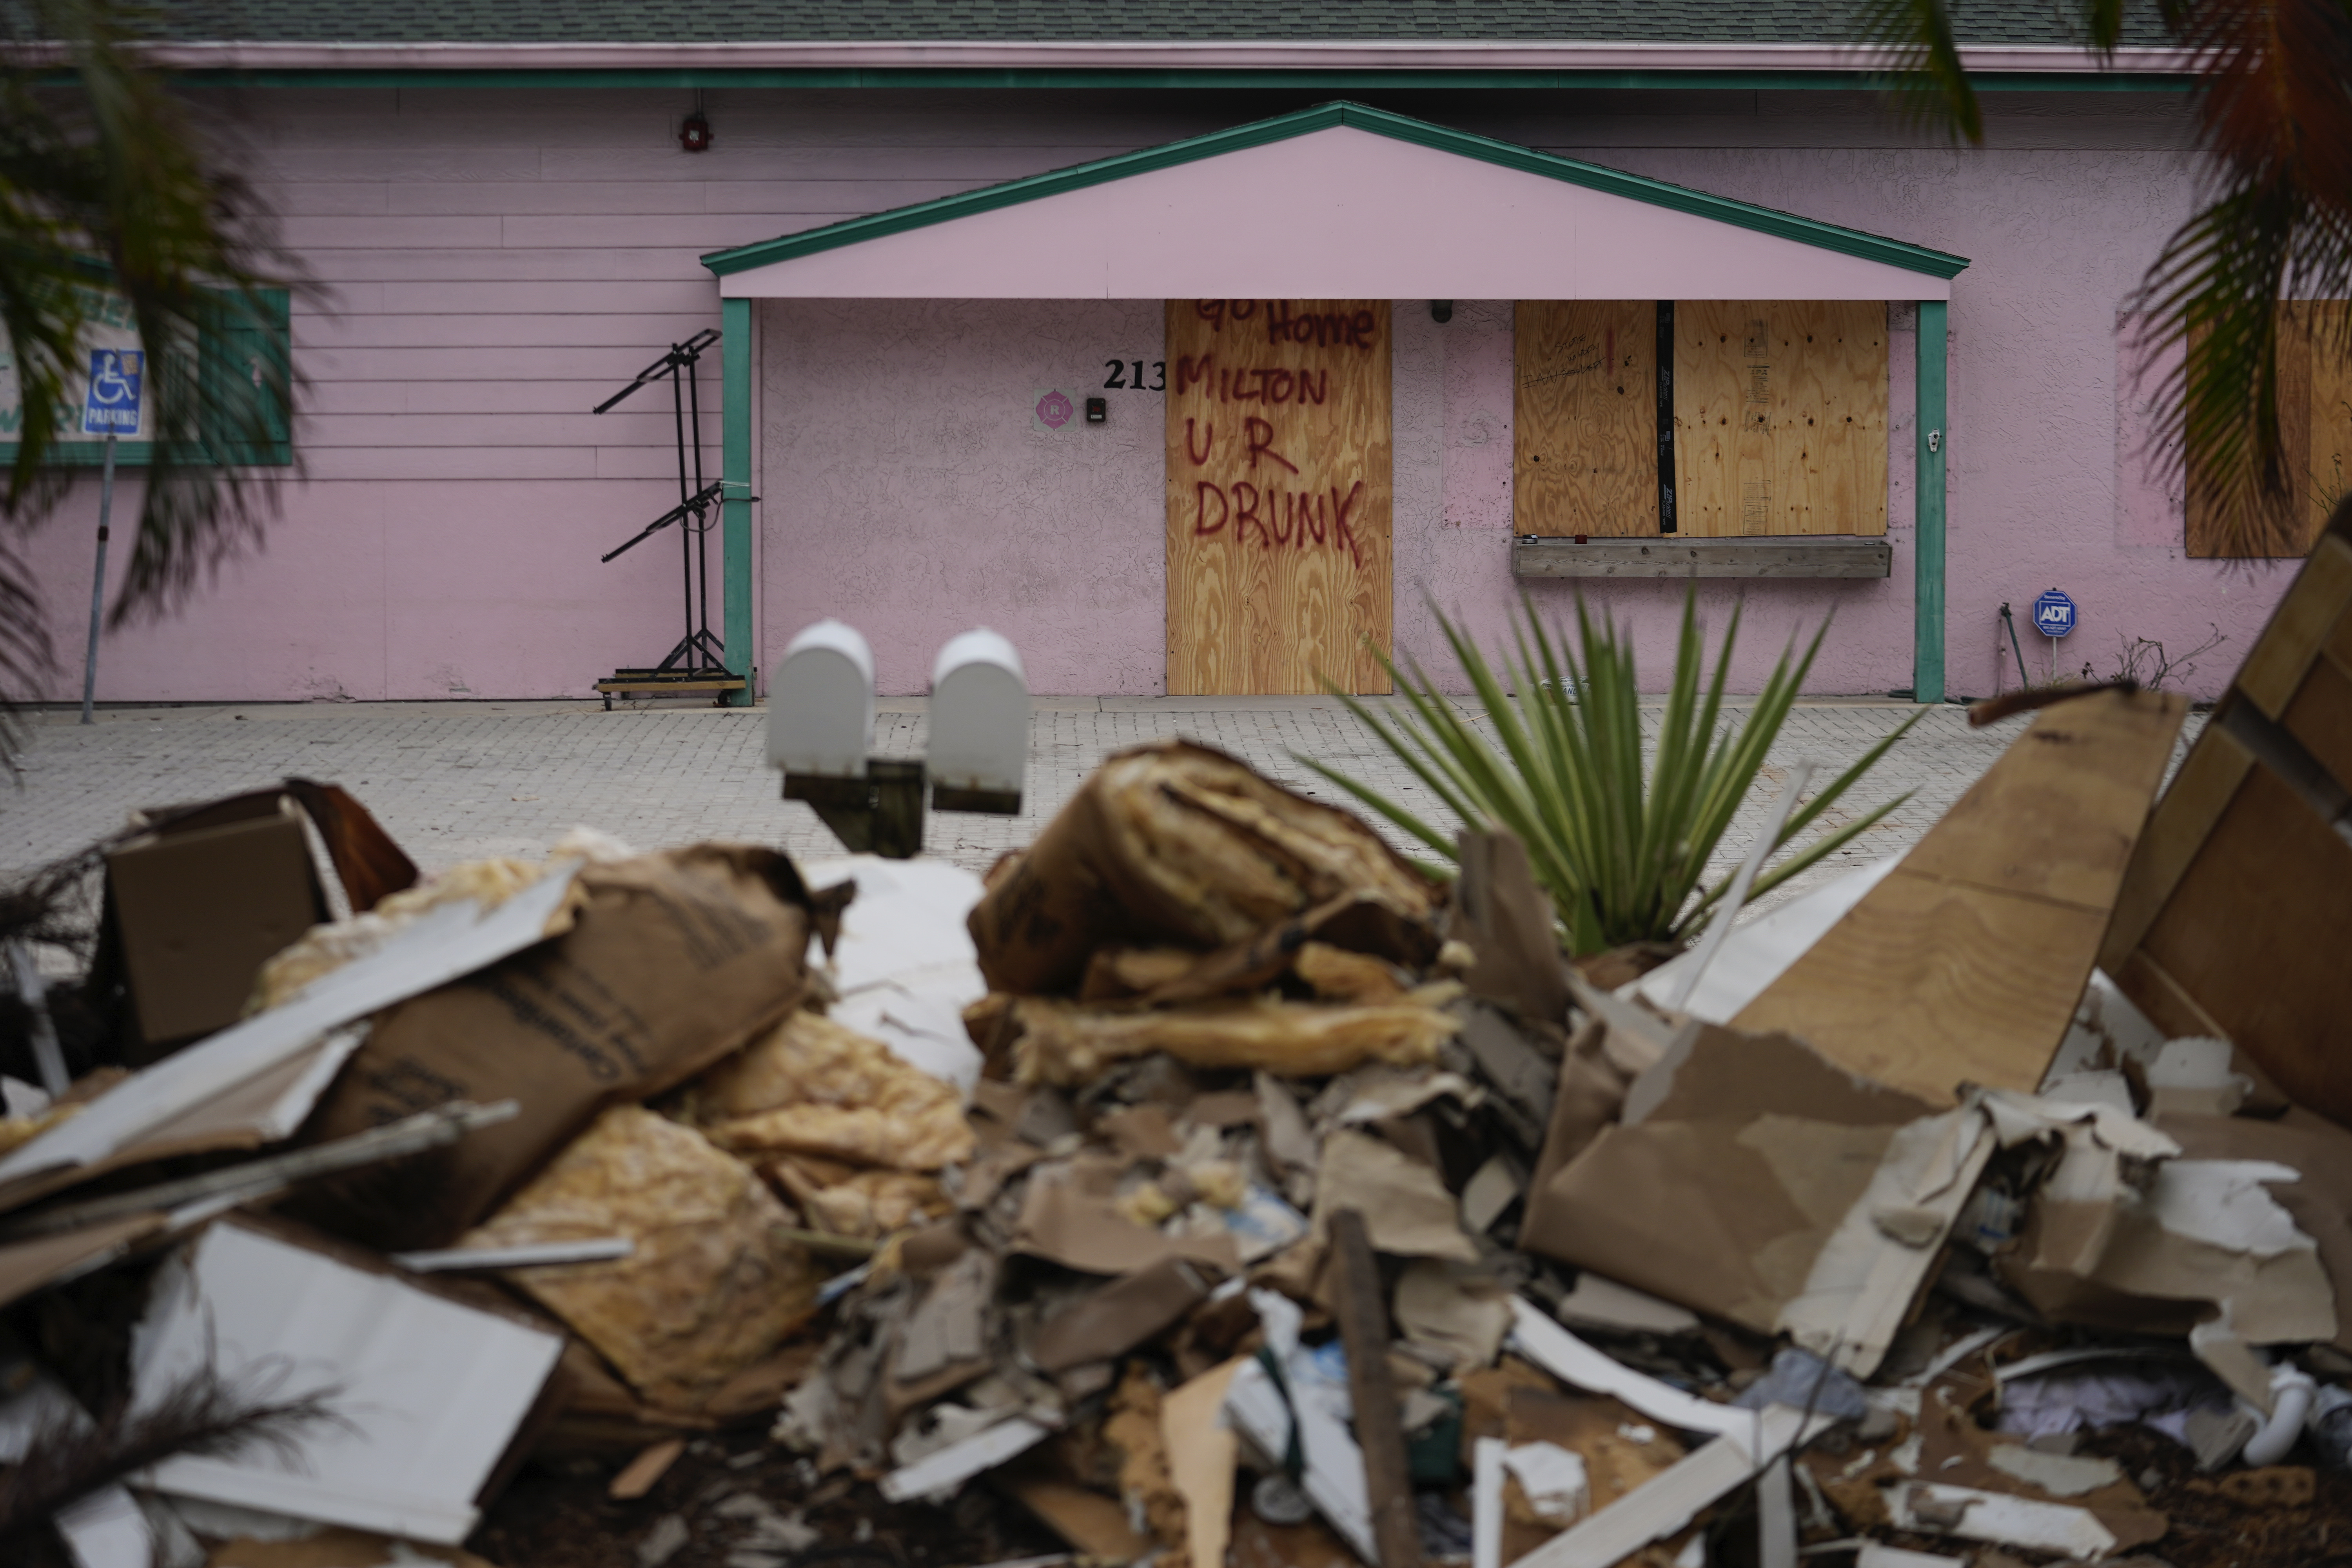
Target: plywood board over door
(1780,416)
(1278,495)
(1584,417)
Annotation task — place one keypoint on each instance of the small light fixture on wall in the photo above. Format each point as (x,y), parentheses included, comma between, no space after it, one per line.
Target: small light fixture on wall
(693,130)
(1441,311)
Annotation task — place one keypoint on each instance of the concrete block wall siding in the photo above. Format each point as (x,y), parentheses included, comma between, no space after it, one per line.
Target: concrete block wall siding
(500,260)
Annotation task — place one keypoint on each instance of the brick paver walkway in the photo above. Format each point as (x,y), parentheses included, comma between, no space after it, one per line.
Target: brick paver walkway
(457,780)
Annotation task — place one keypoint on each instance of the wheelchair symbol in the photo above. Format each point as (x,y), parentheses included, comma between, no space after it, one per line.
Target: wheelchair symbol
(108,387)
(112,404)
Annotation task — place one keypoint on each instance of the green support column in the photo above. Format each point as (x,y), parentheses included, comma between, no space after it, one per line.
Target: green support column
(735,514)
(1928,501)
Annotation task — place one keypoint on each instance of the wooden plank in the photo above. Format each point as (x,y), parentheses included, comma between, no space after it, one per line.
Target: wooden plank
(1780,417)
(1584,430)
(1363,1314)
(1829,417)
(1966,964)
(2306,618)
(1712,414)
(2200,793)
(2253,934)
(1807,556)
(1278,495)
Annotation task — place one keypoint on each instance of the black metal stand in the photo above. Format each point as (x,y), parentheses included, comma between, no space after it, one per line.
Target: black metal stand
(699,661)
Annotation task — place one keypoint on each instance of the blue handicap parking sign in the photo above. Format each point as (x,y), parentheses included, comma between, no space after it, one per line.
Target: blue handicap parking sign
(112,407)
(2053,614)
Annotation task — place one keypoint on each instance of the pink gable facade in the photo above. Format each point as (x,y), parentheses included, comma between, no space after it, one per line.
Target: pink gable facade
(494,262)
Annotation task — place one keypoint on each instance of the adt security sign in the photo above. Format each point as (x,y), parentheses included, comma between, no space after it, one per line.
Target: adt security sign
(111,408)
(2053,614)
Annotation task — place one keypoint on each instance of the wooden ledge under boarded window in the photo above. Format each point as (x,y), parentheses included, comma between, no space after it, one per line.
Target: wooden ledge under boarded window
(1785,555)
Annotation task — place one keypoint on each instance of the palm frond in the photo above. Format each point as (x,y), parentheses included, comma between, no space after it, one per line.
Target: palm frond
(1932,86)
(118,196)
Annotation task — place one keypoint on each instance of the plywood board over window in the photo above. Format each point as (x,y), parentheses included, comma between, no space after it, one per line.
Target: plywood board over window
(1584,417)
(2314,397)
(1278,495)
(1780,417)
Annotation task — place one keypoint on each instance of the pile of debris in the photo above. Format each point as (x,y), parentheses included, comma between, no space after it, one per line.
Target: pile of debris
(1212,1184)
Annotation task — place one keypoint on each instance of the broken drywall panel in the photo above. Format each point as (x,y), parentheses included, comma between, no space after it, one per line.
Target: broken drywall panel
(1752,1178)
(443,944)
(939,1472)
(904,966)
(428,1392)
(1535,1335)
(1660,1507)
(1487,1503)
(2002,1519)
(1966,964)
(1310,1408)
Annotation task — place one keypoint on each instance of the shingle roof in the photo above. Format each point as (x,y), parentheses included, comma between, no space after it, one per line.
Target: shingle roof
(1028,21)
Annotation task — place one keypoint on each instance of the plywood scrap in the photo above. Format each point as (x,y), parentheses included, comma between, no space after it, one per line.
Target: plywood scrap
(1965,964)
(2236,899)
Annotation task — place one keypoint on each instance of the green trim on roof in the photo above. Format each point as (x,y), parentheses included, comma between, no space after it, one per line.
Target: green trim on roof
(1323,117)
(1348,80)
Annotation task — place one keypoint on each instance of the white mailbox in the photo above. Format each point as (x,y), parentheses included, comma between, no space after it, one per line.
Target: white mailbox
(821,703)
(980,725)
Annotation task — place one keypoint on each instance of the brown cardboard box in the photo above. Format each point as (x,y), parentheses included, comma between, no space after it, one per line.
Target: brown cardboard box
(676,960)
(199,907)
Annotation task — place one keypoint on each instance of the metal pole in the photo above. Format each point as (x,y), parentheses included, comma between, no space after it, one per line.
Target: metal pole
(97,582)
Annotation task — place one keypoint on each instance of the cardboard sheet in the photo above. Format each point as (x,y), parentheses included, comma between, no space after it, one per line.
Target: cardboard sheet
(445,944)
(1405,1205)
(1068,1216)
(1202,1454)
(430,1392)
(1760,952)
(2198,1248)
(2319,1199)
(675,960)
(1965,964)
(1754,1180)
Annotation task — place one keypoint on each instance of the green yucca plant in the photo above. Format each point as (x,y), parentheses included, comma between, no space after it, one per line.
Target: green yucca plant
(1622,852)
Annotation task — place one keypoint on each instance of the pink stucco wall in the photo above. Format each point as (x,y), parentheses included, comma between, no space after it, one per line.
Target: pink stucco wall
(497,262)
(909,490)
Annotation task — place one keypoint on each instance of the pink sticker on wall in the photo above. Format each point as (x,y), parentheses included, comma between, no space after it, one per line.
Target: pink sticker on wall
(1055,409)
